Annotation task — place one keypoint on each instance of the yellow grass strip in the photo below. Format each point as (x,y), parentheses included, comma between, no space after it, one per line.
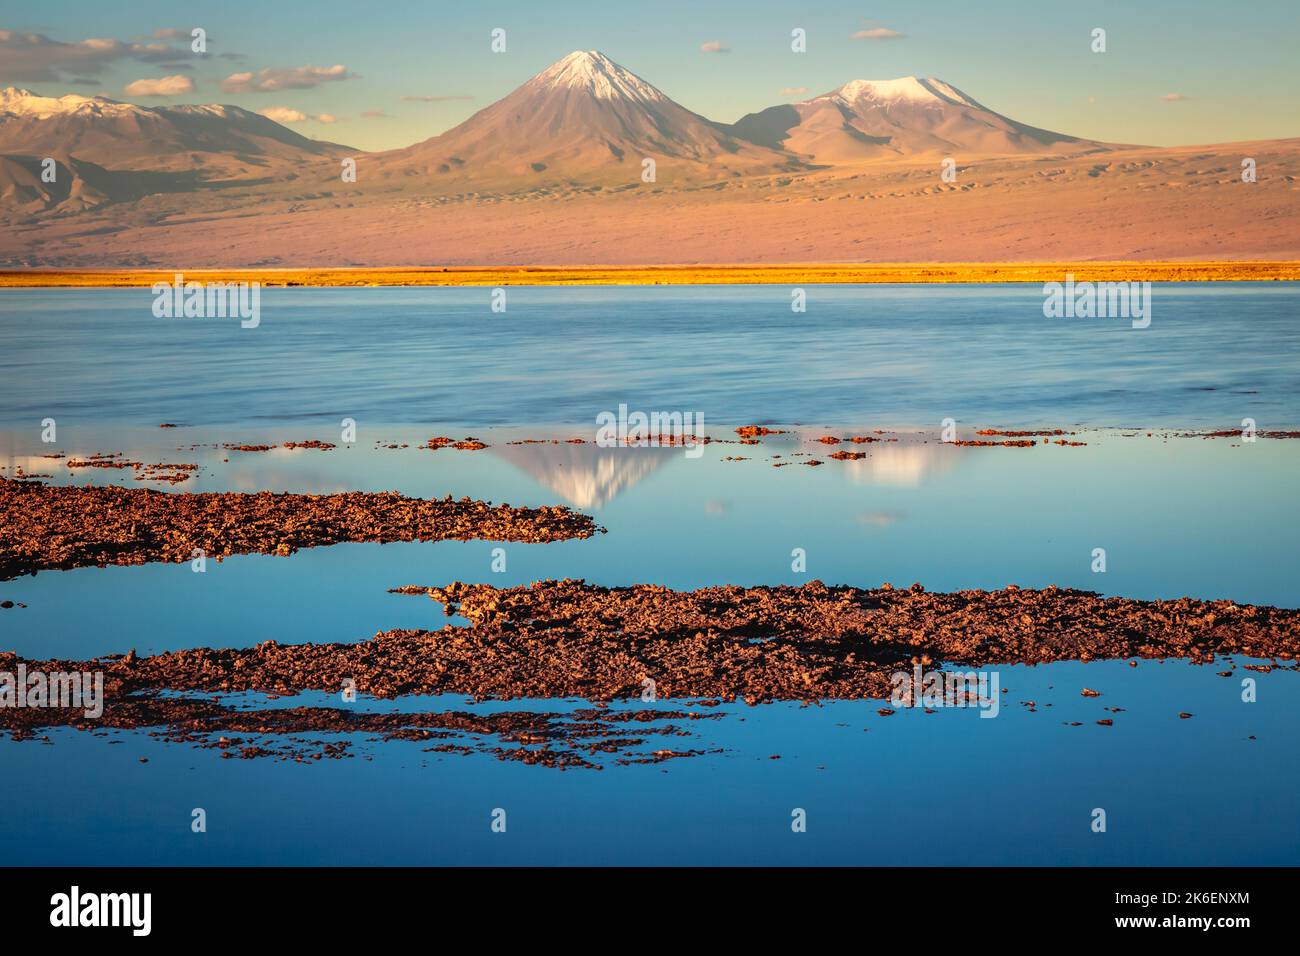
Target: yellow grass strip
(806,274)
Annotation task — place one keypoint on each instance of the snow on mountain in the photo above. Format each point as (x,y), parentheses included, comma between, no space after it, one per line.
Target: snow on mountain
(221,141)
(593,72)
(584,120)
(588,118)
(25,103)
(905,89)
(866,120)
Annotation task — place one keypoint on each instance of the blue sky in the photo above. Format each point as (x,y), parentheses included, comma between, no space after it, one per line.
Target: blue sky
(1173,73)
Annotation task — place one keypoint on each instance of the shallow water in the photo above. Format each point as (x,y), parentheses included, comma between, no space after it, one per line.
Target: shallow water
(1176,515)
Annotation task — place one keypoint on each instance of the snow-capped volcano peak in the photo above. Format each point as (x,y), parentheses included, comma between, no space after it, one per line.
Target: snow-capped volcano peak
(597,74)
(20,102)
(903,90)
(864,120)
(584,116)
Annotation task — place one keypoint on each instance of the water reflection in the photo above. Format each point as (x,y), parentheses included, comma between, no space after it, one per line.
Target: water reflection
(586,476)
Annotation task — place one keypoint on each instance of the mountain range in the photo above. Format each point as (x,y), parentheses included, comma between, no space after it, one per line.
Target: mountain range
(583,120)
(106,150)
(555,172)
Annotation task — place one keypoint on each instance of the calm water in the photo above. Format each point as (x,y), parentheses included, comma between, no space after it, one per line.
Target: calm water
(1177,516)
(894,354)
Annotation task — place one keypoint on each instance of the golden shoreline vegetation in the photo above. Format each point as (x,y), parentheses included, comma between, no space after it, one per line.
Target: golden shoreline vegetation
(796,274)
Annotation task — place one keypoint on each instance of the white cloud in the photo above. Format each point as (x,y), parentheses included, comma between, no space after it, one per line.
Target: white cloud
(1173,97)
(794,90)
(35,57)
(161,86)
(878,33)
(274,79)
(715,46)
(327,118)
(283,114)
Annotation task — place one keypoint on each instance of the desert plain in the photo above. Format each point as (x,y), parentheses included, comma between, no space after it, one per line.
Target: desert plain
(1136,204)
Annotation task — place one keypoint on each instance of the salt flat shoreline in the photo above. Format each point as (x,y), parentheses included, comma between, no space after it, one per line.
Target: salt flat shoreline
(567,639)
(796,274)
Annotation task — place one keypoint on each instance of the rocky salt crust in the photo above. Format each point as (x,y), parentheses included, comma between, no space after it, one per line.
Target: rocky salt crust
(570,639)
(585,738)
(45,527)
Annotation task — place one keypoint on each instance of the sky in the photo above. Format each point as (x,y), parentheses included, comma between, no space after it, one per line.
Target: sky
(385,75)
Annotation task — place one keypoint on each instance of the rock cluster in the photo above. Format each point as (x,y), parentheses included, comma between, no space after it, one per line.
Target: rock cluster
(44,527)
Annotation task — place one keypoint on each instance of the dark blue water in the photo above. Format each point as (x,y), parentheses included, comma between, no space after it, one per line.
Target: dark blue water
(901,355)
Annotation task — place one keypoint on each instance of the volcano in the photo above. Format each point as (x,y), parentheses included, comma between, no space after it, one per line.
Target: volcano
(585,118)
(866,120)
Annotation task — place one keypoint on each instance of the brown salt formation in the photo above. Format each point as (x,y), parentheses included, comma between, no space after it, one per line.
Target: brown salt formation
(547,441)
(105,461)
(1029,434)
(561,740)
(322,445)
(233,447)
(1236,433)
(44,527)
(829,440)
(572,639)
(662,440)
(1016,443)
(757,431)
(172,474)
(466,444)
(170,478)
(848,455)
